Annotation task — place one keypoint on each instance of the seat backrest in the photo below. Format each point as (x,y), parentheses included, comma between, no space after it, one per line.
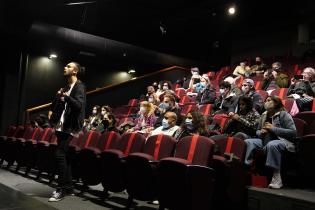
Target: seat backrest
(10,131)
(37,134)
(206,109)
(281,93)
(159,146)
(75,141)
(131,142)
(180,92)
(288,104)
(92,138)
(231,145)
(198,150)
(184,100)
(133,102)
(46,134)
(28,132)
(108,140)
(300,126)
(187,108)
(264,94)
(309,118)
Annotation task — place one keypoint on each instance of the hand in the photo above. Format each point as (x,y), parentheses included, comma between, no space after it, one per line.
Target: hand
(293,81)
(274,74)
(266,74)
(235,117)
(231,114)
(268,126)
(306,96)
(263,131)
(129,130)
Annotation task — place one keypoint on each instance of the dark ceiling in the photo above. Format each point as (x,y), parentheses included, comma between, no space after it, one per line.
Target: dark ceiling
(194,28)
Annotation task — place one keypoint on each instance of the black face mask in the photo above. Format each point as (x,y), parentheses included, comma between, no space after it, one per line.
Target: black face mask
(105,123)
(258,62)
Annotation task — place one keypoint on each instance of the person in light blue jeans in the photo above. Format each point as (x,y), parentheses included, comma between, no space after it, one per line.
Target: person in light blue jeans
(275,132)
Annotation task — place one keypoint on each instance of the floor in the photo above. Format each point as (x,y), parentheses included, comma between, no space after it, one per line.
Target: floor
(18,192)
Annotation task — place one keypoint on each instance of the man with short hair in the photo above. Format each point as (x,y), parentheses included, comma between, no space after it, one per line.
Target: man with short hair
(248,89)
(168,126)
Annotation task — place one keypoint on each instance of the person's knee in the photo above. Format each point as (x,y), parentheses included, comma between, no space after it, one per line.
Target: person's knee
(272,145)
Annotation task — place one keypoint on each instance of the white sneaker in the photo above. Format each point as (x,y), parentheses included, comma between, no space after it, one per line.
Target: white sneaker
(155,202)
(57,196)
(276,182)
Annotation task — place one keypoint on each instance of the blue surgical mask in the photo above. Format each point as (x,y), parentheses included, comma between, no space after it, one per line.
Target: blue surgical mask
(165,124)
(164,106)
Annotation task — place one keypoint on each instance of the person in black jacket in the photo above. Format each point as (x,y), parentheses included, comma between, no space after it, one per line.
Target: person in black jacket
(67,116)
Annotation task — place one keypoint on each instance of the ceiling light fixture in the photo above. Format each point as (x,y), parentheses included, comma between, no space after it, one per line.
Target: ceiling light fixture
(232,10)
(51,56)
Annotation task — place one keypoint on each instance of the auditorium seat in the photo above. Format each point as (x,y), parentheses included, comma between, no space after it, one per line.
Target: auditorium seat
(90,160)
(185,180)
(206,109)
(230,172)
(187,108)
(10,132)
(288,103)
(264,94)
(309,118)
(180,92)
(112,161)
(281,93)
(141,168)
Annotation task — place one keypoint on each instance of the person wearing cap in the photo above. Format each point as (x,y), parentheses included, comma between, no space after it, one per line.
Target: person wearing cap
(248,89)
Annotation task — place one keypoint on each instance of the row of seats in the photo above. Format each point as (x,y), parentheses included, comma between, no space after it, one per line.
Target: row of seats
(195,168)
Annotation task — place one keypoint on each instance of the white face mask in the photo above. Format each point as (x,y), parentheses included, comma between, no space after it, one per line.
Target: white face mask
(221,91)
(245,89)
(195,73)
(94,111)
(103,112)
(143,109)
(151,100)
(165,123)
(165,88)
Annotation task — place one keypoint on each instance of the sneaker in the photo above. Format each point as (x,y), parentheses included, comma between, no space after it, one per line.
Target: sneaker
(57,196)
(276,182)
(155,202)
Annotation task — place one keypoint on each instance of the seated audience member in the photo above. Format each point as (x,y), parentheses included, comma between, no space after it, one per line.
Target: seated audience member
(146,119)
(42,121)
(303,89)
(94,120)
(206,95)
(168,126)
(156,86)
(227,101)
(243,124)
(108,123)
(242,70)
(151,96)
(234,88)
(248,89)
(166,89)
(159,90)
(168,105)
(275,132)
(194,79)
(197,87)
(194,124)
(260,67)
(275,78)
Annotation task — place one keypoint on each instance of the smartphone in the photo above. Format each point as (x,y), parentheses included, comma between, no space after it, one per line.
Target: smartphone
(298,77)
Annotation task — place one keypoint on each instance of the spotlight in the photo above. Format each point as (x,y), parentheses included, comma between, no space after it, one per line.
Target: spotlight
(53,56)
(232,10)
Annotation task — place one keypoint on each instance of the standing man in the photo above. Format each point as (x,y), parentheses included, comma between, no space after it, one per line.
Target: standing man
(67,116)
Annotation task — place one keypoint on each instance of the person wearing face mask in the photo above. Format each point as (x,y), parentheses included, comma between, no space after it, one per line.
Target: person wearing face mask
(275,78)
(244,122)
(146,119)
(168,126)
(194,124)
(260,67)
(227,101)
(248,89)
(151,96)
(168,105)
(94,120)
(234,88)
(207,94)
(200,86)
(195,78)
(105,112)
(109,123)
(276,132)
